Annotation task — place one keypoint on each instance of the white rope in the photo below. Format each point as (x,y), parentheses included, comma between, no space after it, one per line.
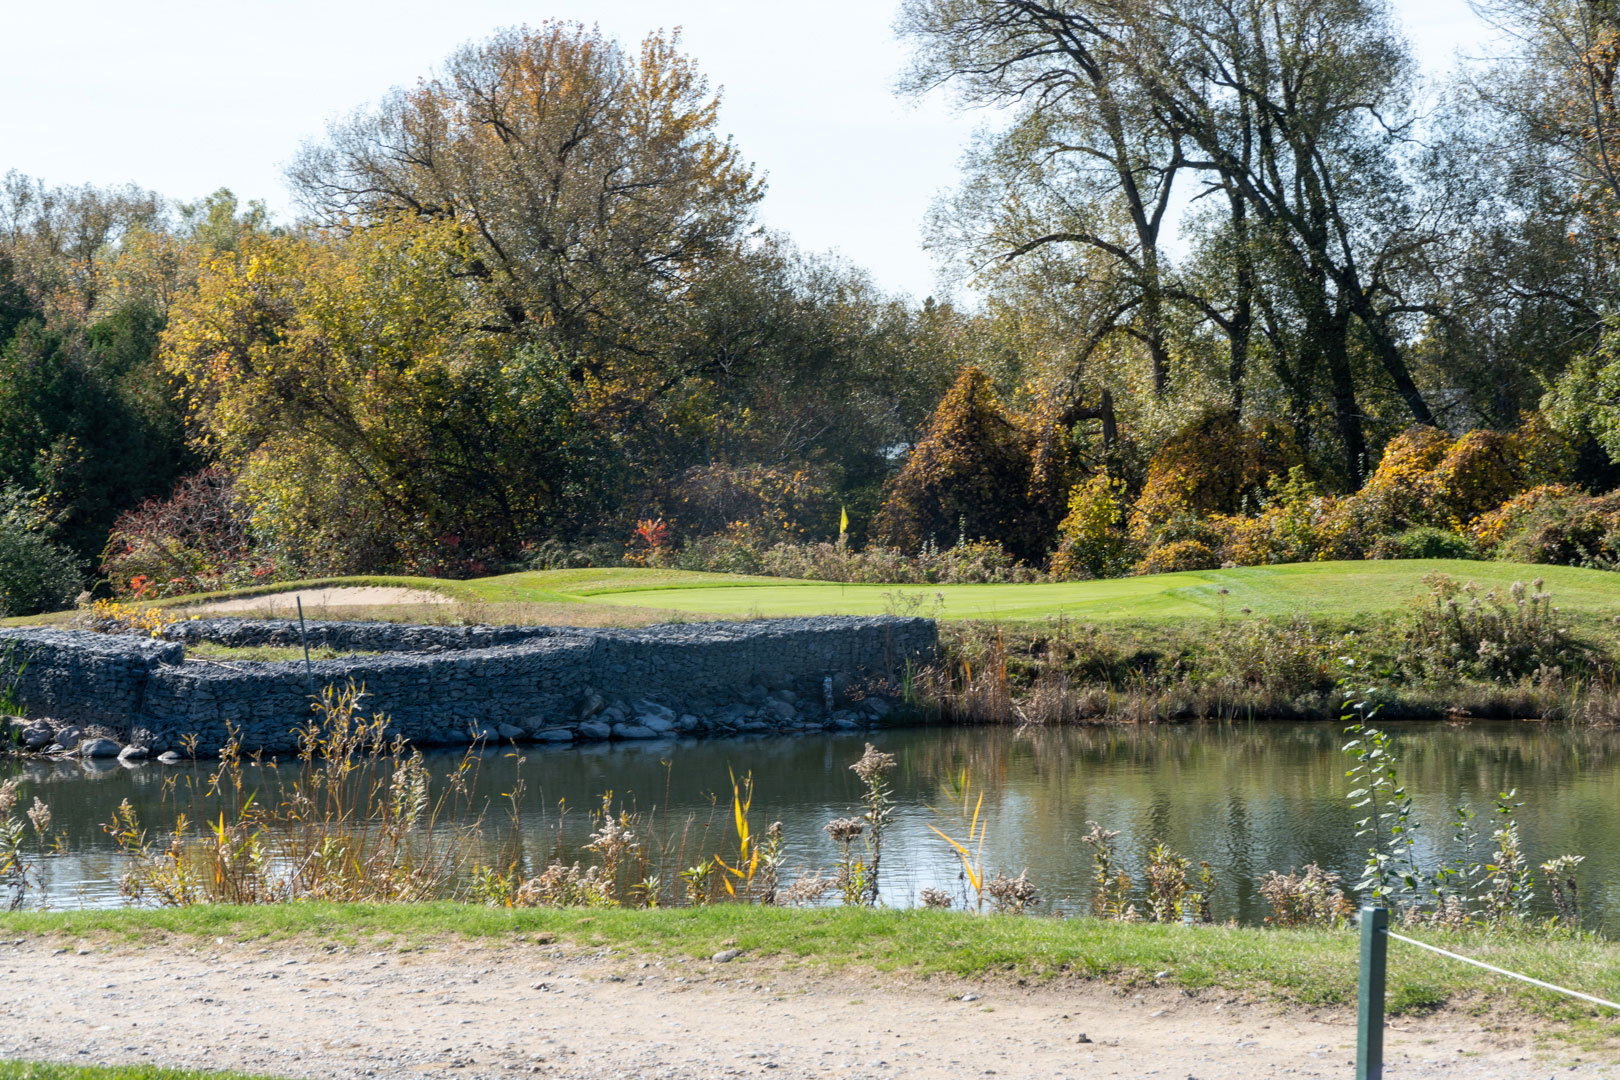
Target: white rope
(1509,974)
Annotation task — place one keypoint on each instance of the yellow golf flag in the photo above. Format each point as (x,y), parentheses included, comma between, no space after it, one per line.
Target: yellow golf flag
(843,521)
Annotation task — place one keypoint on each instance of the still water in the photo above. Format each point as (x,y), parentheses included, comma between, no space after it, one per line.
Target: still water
(1246,798)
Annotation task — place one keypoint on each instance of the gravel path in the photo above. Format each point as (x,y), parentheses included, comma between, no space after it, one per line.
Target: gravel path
(534,1008)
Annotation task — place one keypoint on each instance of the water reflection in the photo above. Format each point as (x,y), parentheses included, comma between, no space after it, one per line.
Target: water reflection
(1246,798)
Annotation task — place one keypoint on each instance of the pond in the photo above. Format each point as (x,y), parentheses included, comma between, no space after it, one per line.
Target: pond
(1245,798)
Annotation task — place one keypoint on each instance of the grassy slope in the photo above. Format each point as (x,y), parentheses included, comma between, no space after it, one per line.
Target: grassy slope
(1329,589)
(1292,967)
(1332,590)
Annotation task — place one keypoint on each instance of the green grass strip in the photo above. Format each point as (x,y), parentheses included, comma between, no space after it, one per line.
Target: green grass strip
(1306,967)
(45,1070)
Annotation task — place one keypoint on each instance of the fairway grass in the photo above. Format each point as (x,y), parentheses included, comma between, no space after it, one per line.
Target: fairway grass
(1290,967)
(631,596)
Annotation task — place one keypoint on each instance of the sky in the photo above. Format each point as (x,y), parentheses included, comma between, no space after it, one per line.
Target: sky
(185,98)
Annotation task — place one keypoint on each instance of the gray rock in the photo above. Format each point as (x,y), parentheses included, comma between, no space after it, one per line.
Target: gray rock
(877,707)
(56,748)
(844,723)
(633,731)
(613,714)
(134,753)
(511,732)
(656,723)
(100,748)
(169,757)
(754,727)
(780,711)
(726,956)
(688,722)
(37,735)
(788,696)
(485,733)
(647,707)
(68,736)
(554,734)
(591,705)
(594,729)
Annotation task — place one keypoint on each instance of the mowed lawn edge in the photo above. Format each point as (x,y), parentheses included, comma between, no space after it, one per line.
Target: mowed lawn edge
(1316,968)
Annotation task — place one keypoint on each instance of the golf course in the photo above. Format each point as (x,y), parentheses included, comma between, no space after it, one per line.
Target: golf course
(1340,591)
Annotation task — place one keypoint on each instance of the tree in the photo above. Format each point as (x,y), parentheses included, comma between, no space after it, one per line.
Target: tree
(1293,112)
(1085,163)
(35,573)
(57,237)
(591,184)
(88,421)
(373,418)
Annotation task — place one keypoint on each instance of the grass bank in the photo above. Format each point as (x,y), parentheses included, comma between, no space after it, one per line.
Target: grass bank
(1291,967)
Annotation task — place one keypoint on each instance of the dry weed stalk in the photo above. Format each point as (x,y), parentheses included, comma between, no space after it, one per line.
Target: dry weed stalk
(354,822)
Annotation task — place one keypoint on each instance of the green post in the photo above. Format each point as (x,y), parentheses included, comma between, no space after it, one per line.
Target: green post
(1370,1003)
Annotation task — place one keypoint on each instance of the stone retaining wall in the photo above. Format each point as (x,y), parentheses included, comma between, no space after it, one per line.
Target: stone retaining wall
(444,685)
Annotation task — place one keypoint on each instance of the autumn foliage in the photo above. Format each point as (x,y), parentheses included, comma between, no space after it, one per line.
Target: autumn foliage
(969,477)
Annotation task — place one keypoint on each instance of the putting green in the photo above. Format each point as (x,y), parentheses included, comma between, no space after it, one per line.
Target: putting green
(1318,589)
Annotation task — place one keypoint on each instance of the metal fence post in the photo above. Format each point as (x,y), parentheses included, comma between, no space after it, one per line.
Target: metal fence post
(309,672)
(1370,1001)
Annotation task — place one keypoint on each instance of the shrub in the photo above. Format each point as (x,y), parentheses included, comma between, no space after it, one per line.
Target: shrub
(1309,899)
(1490,529)
(1457,631)
(197,539)
(968,562)
(1211,466)
(1287,659)
(35,573)
(737,550)
(1092,542)
(1178,555)
(554,554)
(970,475)
(1480,471)
(777,503)
(1294,526)
(1547,453)
(1424,542)
(1554,524)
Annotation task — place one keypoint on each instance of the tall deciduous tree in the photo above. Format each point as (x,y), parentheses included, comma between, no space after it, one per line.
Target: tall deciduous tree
(591,183)
(374,420)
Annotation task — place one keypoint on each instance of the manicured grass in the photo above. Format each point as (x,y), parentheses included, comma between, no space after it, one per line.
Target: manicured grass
(1307,967)
(44,1070)
(1332,590)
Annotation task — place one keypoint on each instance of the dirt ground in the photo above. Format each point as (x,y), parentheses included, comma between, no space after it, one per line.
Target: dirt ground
(534,1008)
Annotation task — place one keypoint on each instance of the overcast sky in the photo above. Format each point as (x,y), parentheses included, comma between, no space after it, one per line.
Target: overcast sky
(185,98)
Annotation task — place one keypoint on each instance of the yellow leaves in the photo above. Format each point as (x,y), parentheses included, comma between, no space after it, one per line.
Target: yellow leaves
(970,852)
(742,798)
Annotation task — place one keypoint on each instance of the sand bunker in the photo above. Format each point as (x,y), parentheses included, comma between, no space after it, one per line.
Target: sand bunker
(345,596)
